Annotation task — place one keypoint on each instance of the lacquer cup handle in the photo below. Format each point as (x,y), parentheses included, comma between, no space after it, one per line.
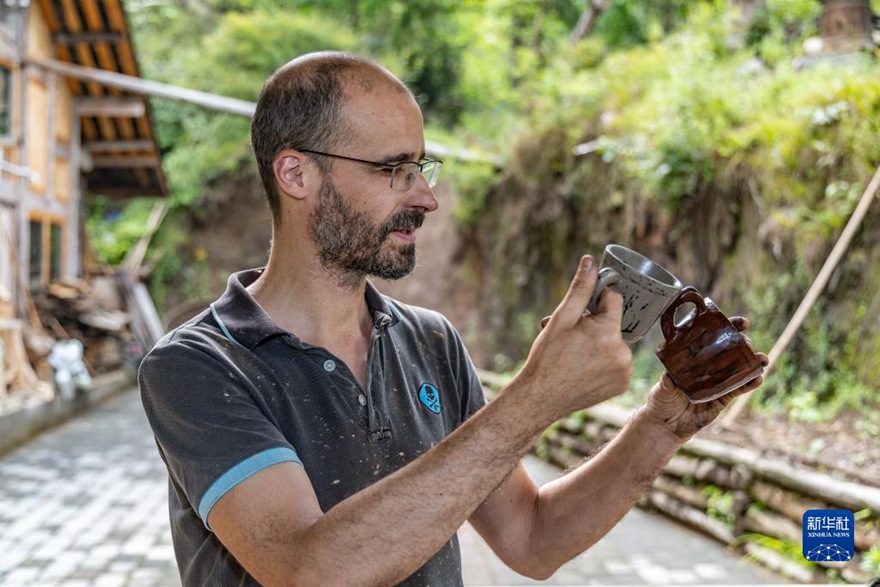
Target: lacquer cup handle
(667,322)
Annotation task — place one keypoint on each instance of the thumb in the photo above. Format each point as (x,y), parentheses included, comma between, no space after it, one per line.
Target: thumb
(575,301)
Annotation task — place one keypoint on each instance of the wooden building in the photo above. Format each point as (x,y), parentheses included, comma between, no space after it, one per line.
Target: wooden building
(63,139)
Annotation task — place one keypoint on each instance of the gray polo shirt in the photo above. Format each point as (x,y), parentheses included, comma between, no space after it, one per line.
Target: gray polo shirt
(230,393)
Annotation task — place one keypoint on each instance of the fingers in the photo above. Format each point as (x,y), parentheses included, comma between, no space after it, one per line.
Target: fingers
(572,307)
(752,385)
(741,323)
(666,382)
(665,390)
(611,303)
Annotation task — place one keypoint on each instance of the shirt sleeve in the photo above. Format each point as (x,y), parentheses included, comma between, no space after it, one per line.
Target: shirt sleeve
(206,418)
(474,396)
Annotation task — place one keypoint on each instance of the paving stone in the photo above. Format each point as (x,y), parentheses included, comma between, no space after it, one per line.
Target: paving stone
(617,567)
(110,580)
(21,577)
(122,566)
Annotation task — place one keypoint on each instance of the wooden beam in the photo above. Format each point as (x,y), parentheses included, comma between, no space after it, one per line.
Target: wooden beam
(444,151)
(115,15)
(106,59)
(84,55)
(92,14)
(90,131)
(116,19)
(215,102)
(114,190)
(125,162)
(134,258)
(91,37)
(104,146)
(587,21)
(70,16)
(76,88)
(110,106)
(148,88)
(49,14)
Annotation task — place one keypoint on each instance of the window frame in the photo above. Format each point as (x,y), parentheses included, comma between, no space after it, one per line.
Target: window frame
(45,261)
(7,77)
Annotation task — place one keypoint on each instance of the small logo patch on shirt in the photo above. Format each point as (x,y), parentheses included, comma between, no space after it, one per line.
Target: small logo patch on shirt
(430,397)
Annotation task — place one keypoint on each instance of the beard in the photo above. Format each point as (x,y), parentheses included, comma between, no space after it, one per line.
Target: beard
(350,243)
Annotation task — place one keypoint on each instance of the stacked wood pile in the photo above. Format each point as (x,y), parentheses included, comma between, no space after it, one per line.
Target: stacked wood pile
(737,496)
(112,315)
(19,384)
(92,312)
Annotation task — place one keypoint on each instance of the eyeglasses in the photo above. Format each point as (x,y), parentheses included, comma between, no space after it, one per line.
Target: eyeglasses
(403,174)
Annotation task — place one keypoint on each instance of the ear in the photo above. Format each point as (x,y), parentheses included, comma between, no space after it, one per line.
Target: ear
(289,167)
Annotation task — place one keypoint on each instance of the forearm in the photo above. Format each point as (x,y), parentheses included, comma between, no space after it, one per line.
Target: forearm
(397,524)
(575,511)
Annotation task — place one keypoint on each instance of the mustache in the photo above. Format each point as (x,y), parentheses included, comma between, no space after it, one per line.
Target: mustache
(405,220)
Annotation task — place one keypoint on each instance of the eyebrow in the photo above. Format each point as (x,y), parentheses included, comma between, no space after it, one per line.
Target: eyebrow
(400,157)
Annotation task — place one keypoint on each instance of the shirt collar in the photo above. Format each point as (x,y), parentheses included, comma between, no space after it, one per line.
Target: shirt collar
(243,320)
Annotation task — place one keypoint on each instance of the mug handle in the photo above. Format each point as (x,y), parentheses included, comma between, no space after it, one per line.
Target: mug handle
(607,276)
(688,294)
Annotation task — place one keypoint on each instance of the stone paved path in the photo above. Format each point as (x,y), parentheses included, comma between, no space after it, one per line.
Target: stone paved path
(84,505)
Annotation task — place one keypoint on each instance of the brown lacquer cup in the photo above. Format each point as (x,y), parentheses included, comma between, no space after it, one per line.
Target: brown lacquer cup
(706,355)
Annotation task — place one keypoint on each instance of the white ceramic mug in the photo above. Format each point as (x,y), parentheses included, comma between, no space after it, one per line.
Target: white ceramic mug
(646,287)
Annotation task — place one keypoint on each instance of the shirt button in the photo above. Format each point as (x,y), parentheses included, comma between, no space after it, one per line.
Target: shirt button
(329,365)
(362,399)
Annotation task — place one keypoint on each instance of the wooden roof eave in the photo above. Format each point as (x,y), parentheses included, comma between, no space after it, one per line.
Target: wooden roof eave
(95,34)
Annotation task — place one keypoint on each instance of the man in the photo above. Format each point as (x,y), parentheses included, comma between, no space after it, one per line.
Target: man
(319,433)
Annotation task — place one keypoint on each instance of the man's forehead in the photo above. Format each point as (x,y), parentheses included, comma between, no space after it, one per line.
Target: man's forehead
(389,118)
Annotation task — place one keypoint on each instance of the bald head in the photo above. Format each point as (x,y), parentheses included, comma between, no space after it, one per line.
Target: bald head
(303,106)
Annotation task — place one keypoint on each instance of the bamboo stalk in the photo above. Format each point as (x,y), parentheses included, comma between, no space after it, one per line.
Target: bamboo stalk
(691,516)
(774,525)
(792,504)
(689,495)
(737,406)
(780,564)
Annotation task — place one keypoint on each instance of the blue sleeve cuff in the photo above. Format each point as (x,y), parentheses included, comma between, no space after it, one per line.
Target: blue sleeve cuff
(239,473)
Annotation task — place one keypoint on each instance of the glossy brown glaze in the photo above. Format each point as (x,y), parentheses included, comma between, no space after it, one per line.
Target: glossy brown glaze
(706,356)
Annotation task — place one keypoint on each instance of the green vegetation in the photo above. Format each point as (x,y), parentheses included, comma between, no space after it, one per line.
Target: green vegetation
(871,561)
(127,223)
(788,549)
(720,505)
(704,141)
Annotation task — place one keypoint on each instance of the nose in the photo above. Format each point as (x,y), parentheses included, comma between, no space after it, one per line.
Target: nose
(421,195)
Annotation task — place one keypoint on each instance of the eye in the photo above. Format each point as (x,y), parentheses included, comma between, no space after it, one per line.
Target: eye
(409,173)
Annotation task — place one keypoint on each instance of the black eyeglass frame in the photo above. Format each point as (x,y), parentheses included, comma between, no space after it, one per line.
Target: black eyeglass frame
(431,179)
